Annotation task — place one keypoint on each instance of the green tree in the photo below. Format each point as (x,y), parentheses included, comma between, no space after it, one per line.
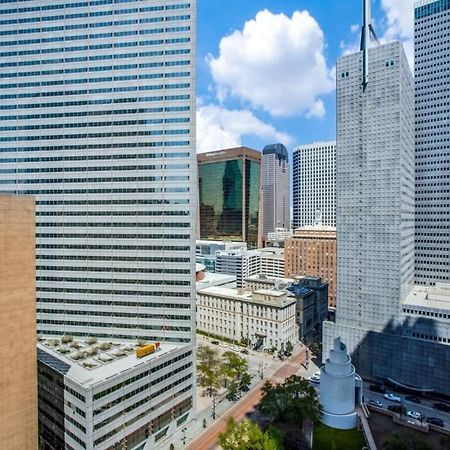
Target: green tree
(246,380)
(289,348)
(405,441)
(235,370)
(293,400)
(248,436)
(208,368)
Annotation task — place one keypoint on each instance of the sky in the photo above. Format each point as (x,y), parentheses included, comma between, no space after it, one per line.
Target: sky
(266,68)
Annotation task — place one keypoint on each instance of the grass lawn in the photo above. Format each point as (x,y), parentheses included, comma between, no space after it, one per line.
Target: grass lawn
(326,438)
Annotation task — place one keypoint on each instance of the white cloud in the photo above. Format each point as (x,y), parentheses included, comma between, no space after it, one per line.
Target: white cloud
(275,63)
(219,128)
(400,24)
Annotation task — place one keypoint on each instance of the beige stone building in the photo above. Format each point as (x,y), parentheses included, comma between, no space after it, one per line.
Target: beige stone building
(18,378)
(312,251)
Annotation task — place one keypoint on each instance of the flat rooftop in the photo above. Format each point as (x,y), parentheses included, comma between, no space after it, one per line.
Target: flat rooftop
(278,298)
(436,297)
(215,279)
(88,363)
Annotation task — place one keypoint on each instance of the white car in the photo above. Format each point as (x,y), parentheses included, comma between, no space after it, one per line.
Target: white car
(393,398)
(414,415)
(315,378)
(375,403)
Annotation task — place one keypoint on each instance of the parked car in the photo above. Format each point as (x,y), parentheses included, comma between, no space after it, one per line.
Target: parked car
(392,397)
(413,398)
(377,388)
(442,407)
(215,342)
(315,378)
(375,403)
(435,421)
(414,415)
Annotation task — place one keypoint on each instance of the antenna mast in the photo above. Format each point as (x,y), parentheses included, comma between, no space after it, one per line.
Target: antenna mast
(366,33)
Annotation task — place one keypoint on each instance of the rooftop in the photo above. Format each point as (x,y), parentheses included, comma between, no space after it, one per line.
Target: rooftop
(215,279)
(436,297)
(88,362)
(279,299)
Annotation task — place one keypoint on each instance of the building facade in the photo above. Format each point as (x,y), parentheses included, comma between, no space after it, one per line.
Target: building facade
(272,262)
(229,195)
(311,251)
(101,395)
(98,123)
(242,264)
(263,318)
(275,188)
(205,251)
(18,324)
(375,223)
(432,83)
(314,184)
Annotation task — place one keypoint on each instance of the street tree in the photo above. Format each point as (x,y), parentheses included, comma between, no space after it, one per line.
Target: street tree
(293,400)
(208,368)
(289,348)
(235,370)
(248,436)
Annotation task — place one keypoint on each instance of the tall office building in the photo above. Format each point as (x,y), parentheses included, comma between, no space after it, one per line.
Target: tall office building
(98,122)
(18,393)
(229,195)
(314,185)
(392,328)
(432,82)
(275,188)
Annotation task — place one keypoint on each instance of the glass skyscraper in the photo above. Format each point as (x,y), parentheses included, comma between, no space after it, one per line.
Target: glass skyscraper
(229,195)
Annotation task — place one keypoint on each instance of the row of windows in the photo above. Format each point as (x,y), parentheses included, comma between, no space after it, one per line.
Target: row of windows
(144,374)
(160,270)
(77,59)
(113,224)
(162,248)
(158,259)
(158,98)
(114,202)
(114,281)
(100,101)
(107,45)
(94,191)
(145,387)
(110,303)
(57,6)
(84,69)
(135,315)
(113,325)
(101,80)
(158,236)
(101,180)
(113,213)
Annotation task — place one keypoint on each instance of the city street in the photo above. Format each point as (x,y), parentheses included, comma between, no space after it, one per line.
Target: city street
(425,407)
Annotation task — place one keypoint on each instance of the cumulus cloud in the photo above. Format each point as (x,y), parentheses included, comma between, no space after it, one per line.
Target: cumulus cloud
(400,24)
(219,128)
(276,63)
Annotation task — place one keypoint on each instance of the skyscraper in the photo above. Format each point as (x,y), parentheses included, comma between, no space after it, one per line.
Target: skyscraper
(229,195)
(393,329)
(432,82)
(98,122)
(314,188)
(275,188)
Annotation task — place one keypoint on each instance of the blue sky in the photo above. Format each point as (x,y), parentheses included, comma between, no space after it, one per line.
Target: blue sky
(265,68)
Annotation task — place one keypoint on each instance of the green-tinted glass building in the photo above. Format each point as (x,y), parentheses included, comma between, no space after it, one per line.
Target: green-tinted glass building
(229,195)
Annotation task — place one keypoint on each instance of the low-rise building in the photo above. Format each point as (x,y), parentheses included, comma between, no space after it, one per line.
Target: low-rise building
(311,251)
(272,262)
(311,294)
(105,395)
(264,282)
(242,264)
(264,318)
(205,251)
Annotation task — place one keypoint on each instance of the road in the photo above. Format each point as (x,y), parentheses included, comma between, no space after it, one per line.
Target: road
(424,408)
(208,439)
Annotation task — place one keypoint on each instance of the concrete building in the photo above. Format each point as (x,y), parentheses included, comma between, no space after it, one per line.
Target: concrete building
(18,392)
(340,389)
(216,279)
(265,318)
(272,262)
(242,264)
(277,237)
(103,134)
(275,188)
(229,184)
(432,84)
(259,281)
(311,251)
(311,294)
(375,223)
(314,184)
(101,395)
(205,252)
